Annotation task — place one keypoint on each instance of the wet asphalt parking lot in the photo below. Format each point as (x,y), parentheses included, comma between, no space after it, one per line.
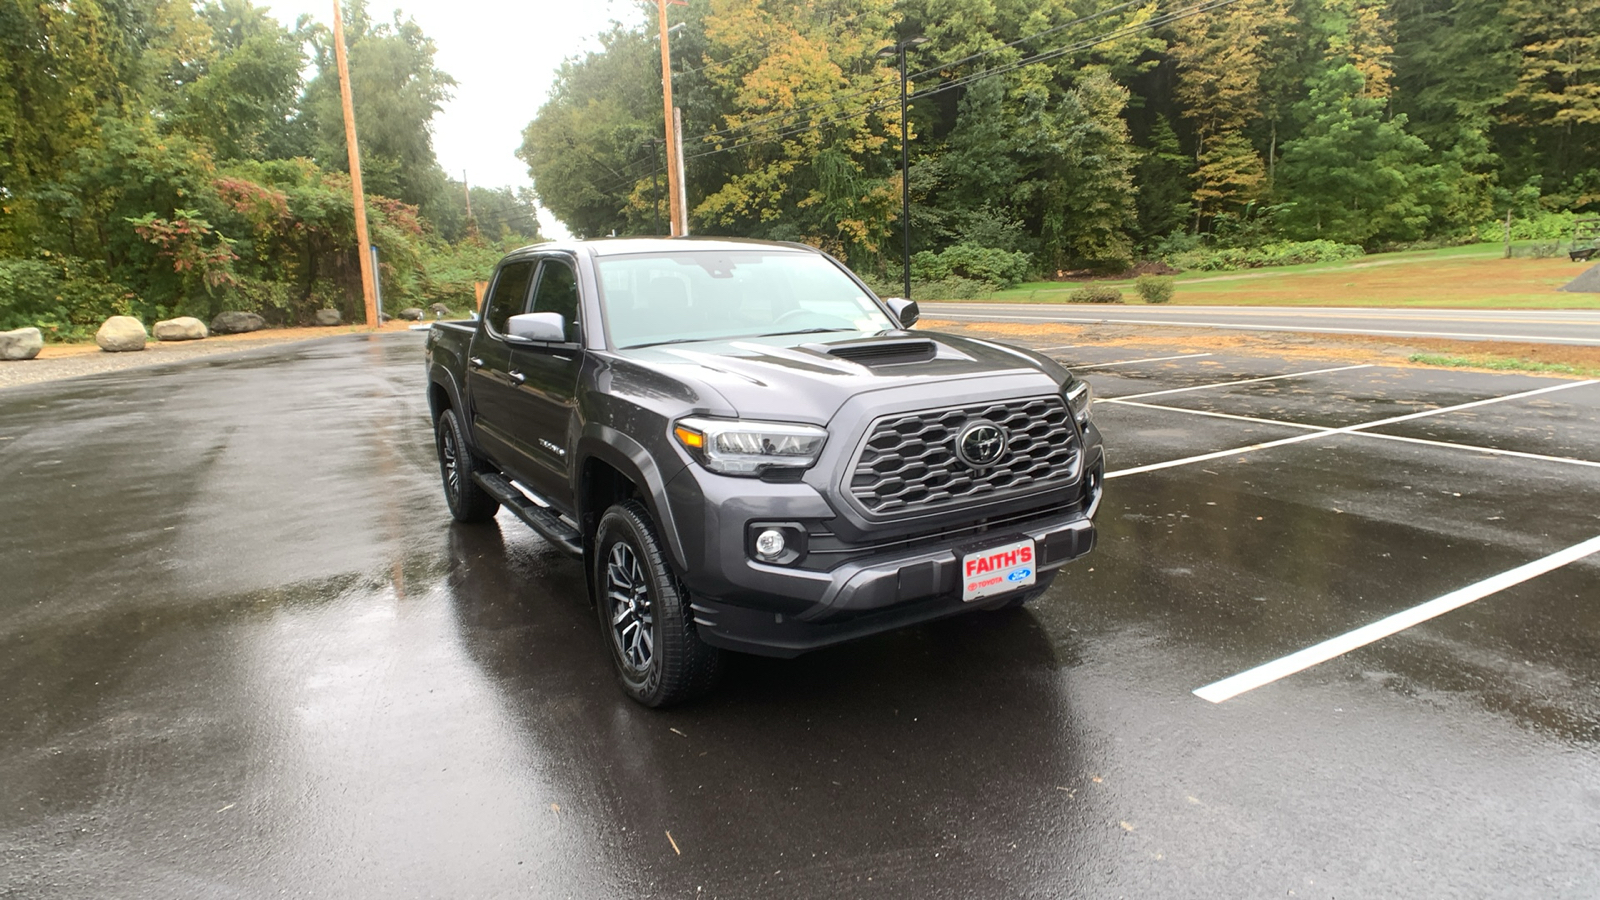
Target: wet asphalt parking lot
(243,653)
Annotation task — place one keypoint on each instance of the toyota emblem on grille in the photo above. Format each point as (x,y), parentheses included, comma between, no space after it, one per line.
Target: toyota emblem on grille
(981,444)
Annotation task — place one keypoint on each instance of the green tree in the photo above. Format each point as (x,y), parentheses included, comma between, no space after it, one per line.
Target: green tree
(1355,176)
(244,98)
(1163,173)
(397,91)
(590,147)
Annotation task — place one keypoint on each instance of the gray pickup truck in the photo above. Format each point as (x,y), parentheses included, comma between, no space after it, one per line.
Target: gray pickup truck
(750,451)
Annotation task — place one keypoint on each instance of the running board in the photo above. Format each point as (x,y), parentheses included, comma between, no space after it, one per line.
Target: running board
(550,526)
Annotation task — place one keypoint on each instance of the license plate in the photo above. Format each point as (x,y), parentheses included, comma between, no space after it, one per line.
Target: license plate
(998,570)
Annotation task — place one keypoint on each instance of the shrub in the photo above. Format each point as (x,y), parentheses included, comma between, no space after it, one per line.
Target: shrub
(1154,288)
(953,287)
(1541,226)
(1278,253)
(972,262)
(64,297)
(1094,293)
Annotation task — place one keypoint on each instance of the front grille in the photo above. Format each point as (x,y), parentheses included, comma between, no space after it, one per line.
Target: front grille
(908,463)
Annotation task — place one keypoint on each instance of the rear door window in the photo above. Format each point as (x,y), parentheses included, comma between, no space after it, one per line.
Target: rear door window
(510,295)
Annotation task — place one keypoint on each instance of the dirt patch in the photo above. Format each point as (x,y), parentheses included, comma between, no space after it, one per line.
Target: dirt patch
(1337,347)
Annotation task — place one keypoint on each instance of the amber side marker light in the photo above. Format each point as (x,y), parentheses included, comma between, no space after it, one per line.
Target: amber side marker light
(690,438)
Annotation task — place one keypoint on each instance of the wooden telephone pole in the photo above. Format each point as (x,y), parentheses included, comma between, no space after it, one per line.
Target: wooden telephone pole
(680,217)
(358,197)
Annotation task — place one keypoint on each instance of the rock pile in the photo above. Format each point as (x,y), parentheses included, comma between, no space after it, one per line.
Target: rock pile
(1587,283)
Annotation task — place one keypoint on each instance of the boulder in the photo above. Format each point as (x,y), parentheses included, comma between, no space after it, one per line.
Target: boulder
(121,334)
(236,323)
(183,328)
(24,343)
(327,317)
(439,310)
(411,314)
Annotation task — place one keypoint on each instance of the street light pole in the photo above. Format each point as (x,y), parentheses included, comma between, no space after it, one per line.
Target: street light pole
(899,50)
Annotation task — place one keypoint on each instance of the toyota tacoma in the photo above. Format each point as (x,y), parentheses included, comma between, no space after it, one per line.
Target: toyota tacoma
(750,451)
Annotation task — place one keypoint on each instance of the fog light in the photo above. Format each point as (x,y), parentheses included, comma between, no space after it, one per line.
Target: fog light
(769,544)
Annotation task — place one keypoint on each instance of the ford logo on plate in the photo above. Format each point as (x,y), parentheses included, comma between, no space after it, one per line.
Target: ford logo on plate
(1019,574)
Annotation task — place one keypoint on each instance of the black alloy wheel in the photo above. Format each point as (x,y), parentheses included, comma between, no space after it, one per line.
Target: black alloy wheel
(644,613)
(633,626)
(468,501)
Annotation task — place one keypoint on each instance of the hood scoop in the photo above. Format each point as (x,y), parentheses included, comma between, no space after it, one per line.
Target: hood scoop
(880,352)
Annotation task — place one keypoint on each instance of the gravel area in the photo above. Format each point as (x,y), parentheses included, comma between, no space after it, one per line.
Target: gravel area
(59,361)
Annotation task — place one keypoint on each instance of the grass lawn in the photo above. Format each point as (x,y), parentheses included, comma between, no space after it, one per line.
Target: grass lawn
(1474,276)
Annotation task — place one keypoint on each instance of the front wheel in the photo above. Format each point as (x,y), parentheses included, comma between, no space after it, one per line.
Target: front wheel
(468,501)
(660,659)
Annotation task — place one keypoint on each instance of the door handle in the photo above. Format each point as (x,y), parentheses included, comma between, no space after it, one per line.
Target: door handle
(475,362)
(516,377)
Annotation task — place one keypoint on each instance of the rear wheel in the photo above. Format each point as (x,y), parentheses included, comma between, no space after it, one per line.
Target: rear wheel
(468,501)
(644,612)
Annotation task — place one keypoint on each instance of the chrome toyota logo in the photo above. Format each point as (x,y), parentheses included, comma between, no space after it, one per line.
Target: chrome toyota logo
(981,444)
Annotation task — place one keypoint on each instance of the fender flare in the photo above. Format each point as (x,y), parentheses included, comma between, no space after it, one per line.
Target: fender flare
(628,456)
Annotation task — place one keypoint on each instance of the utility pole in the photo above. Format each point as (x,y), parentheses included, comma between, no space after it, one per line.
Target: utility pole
(472,227)
(674,163)
(369,293)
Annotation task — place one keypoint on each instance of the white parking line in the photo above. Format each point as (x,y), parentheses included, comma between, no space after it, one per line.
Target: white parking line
(1451,445)
(1129,362)
(1304,659)
(1348,429)
(1203,387)
(1570,460)
(1219,415)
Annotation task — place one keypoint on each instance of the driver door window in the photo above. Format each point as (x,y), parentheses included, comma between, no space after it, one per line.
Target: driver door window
(558,293)
(510,295)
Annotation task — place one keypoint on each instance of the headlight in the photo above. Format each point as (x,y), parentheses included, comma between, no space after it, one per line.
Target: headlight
(734,447)
(1079,397)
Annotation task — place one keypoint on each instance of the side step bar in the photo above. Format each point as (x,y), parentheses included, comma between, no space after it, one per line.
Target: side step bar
(550,526)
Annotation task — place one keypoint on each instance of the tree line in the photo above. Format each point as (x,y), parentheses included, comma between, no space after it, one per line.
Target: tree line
(1059,135)
(163,157)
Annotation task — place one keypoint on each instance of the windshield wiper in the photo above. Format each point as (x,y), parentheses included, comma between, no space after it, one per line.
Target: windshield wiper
(664,343)
(803,331)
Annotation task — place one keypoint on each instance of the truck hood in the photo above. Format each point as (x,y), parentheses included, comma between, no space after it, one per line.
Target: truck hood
(806,378)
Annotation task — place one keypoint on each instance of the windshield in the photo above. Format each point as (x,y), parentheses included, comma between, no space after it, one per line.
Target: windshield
(699,295)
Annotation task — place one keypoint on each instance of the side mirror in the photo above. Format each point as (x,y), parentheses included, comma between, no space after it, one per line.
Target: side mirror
(904,310)
(547,327)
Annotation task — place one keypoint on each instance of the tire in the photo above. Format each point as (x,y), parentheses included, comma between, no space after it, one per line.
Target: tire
(468,501)
(1017,601)
(644,613)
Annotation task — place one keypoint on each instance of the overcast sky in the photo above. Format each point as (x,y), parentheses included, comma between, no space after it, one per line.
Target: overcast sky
(503,56)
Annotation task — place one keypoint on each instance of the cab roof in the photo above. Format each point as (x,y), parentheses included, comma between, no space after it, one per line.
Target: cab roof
(620,246)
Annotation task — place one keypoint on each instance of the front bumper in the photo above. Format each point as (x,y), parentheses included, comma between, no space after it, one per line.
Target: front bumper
(745,605)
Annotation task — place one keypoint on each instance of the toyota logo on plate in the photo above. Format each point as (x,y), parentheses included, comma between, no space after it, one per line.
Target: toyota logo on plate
(981,444)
